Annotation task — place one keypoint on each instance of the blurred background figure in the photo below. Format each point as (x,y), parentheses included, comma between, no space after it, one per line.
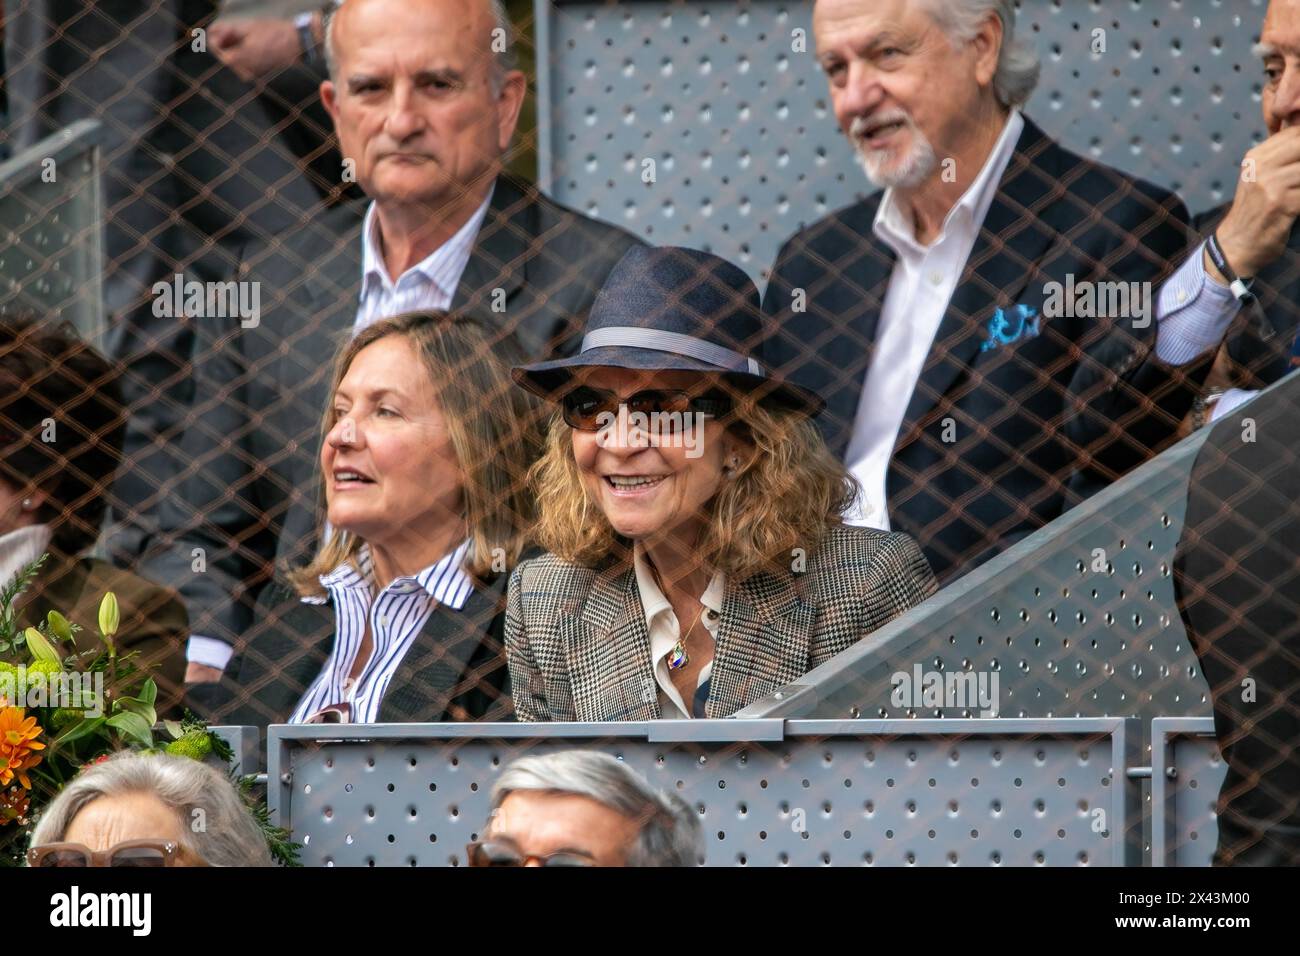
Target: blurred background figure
(399,616)
(425,107)
(61,424)
(697,556)
(584,808)
(138,810)
(195,167)
(1237,573)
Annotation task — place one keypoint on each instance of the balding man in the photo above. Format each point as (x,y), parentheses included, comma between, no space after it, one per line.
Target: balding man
(987,330)
(424,97)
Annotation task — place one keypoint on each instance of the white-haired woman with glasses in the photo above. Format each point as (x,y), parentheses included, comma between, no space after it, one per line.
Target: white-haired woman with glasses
(584,808)
(139,810)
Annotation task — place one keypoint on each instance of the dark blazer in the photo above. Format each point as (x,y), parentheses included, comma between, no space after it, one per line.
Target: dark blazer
(1033,426)
(1263,350)
(579,648)
(455,670)
(1237,575)
(248,498)
(152,619)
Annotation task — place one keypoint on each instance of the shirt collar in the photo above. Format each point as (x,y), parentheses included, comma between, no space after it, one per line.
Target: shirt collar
(653,601)
(446,580)
(20,548)
(892,228)
(373,270)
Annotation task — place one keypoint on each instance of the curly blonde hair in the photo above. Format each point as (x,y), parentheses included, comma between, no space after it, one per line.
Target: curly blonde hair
(785,496)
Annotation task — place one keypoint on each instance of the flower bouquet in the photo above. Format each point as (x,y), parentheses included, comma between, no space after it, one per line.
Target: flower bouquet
(61,710)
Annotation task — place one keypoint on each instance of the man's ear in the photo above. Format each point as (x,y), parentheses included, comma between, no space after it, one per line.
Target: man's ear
(510,101)
(329,99)
(988,44)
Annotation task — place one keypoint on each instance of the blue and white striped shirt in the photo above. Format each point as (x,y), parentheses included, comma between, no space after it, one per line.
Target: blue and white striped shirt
(396,617)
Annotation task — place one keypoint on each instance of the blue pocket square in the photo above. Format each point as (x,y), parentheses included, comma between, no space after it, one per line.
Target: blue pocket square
(1003,329)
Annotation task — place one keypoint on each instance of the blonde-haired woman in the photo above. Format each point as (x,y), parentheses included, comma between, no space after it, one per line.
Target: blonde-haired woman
(696,559)
(399,617)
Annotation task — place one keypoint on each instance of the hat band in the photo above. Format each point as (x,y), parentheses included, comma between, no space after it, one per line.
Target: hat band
(677,343)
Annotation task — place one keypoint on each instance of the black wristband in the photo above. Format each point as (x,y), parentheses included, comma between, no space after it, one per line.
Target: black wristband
(1240,287)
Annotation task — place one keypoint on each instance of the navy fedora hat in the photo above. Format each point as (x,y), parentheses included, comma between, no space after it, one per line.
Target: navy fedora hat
(671,308)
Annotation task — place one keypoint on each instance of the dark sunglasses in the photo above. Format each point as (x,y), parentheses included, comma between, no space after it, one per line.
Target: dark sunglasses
(589,409)
(145,853)
(502,854)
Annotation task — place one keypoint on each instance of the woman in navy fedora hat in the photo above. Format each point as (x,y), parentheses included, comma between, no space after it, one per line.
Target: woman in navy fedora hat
(696,559)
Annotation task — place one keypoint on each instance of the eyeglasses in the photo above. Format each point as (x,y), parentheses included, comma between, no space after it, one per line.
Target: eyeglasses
(591,409)
(503,854)
(145,853)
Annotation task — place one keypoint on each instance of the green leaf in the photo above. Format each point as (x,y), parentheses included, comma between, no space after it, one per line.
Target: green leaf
(149,692)
(132,705)
(85,728)
(40,648)
(133,726)
(174,728)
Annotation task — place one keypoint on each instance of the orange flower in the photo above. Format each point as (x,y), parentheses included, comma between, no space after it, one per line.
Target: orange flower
(18,734)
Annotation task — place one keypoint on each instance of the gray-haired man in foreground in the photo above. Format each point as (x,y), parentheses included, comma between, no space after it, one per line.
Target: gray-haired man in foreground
(584,808)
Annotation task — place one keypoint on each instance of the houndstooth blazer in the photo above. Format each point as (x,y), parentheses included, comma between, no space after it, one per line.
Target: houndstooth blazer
(578,647)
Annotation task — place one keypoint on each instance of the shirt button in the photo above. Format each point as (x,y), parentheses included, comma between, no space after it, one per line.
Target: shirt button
(936,278)
(1182,295)
(713,615)
(383,620)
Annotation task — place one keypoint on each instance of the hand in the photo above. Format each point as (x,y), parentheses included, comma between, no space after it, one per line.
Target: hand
(1256,229)
(255,49)
(196,673)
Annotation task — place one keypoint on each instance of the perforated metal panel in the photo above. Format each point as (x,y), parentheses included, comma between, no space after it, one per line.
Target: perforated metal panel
(745,147)
(950,793)
(1187,773)
(51,230)
(1079,619)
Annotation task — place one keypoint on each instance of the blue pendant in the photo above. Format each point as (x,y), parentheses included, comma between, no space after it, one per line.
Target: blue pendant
(677,657)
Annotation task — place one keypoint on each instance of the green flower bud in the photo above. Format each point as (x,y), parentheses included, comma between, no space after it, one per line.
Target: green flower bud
(109,616)
(194,745)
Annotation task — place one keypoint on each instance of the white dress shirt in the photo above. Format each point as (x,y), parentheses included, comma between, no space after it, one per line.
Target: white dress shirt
(20,548)
(661,622)
(429,284)
(396,617)
(1192,313)
(923,281)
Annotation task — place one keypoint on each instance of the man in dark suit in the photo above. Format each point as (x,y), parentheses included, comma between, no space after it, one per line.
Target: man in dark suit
(985,330)
(424,112)
(1237,573)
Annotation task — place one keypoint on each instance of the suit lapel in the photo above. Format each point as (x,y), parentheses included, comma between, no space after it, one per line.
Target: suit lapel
(436,666)
(871,272)
(608,651)
(763,642)
(497,265)
(1011,240)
